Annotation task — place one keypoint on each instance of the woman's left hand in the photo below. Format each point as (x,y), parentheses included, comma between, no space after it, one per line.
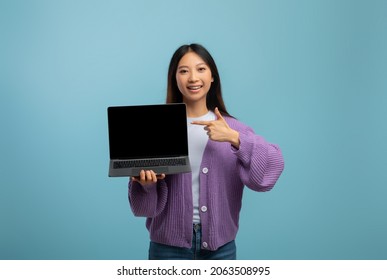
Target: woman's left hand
(219,130)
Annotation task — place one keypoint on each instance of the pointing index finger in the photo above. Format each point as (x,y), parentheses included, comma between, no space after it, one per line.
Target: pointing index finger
(201,122)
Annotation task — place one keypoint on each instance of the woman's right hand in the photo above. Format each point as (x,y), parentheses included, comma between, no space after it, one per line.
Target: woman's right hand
(148,177)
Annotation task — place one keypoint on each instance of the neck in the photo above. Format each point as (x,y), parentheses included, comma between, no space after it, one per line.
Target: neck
(196,110)
(191,113)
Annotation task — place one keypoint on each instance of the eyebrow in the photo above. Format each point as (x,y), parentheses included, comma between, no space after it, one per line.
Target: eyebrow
(184,66)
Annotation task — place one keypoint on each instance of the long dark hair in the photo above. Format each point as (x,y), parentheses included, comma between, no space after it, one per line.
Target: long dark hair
(214,95)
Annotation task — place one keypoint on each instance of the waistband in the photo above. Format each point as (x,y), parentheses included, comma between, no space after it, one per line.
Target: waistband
(196,227)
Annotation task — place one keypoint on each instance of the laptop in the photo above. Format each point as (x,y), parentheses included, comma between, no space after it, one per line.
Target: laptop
(148,137)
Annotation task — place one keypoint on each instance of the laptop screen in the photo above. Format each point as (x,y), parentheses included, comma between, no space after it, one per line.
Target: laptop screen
(146,131)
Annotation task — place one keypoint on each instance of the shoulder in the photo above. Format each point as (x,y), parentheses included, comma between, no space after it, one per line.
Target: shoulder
(236,124)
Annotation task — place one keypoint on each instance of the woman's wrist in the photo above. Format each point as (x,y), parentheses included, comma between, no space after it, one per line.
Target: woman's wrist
(234,139)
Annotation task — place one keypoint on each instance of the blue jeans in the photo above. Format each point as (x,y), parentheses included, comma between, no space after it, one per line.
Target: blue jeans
(159,251)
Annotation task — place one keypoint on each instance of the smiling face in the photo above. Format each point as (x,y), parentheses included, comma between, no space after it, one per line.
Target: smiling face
(193,78)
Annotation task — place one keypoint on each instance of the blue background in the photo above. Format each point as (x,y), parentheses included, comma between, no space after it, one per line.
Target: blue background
(307,75)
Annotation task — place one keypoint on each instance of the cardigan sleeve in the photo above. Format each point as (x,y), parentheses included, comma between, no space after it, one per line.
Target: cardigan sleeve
(147,201)
(261,162)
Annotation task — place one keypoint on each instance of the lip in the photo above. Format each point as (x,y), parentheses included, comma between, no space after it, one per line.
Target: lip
(194,88)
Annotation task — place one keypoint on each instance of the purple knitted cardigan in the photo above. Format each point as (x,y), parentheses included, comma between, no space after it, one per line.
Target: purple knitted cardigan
(225,171)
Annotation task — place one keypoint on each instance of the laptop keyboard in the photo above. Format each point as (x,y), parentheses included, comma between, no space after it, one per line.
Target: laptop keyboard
(149,162)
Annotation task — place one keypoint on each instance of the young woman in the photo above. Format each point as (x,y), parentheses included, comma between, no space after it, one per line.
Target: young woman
(196,215)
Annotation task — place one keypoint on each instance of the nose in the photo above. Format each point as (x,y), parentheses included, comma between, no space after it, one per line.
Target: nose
(192,77)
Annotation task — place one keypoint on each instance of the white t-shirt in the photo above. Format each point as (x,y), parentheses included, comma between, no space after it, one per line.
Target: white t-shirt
(197,141)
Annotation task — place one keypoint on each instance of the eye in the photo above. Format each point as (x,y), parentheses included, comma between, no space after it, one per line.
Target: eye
(202,69)
(183,71)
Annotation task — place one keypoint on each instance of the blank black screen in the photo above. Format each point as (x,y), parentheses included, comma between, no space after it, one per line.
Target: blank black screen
(147,131)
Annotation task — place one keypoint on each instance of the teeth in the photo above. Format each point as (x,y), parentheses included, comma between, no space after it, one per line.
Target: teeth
(197,87)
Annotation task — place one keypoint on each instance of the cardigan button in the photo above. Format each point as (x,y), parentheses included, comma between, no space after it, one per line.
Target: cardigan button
(205,170)
(205,245)
(204,208)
